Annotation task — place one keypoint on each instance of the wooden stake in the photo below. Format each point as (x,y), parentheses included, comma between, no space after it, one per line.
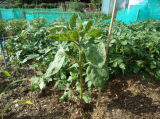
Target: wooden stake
(108,41)
(24,13)
(110,29)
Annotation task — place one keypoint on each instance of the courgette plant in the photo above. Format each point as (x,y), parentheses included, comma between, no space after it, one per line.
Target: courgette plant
(91,53)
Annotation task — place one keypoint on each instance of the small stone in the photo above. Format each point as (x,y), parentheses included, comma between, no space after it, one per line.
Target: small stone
(16,105)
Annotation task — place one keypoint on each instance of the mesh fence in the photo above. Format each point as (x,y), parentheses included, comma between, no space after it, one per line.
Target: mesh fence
(142,11)
(48,14)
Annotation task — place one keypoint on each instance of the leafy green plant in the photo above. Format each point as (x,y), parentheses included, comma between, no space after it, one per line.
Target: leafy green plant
(85,40)
(32,5)
(38,22)
(43,5)
(16,26)
(75,6)
(18,5)
(15,101)
(25,5)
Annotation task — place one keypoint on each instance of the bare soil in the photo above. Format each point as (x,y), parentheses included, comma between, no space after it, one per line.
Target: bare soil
(123,98)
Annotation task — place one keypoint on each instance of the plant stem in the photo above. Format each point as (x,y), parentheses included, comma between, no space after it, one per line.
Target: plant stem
(81,78)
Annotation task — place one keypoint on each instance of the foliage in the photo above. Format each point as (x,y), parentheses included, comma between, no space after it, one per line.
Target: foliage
(15,101)
(38,22)
(26,5)
(36,47)
(85,40)
(43,5)
(133,48)
(75,6)
(18,5)
(2,27)
(32,5)
(16,26)
(94,15)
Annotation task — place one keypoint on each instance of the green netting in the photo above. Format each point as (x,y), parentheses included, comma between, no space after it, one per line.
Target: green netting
(49,14)
(142,11)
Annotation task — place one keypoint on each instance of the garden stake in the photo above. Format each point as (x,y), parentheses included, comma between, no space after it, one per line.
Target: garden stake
(3,54)
(4,41)
(108,41)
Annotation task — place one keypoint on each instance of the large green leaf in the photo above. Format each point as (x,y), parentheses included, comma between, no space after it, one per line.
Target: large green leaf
(66,95)
(94,33)
(75,35)
(55,66)
(95,53)
(98,76)
(31,56)
(58,29)
(75,22)
(65,36)
(158,72)
(86,27)
(73,74)
(122,65)
(87,97)
(53,37)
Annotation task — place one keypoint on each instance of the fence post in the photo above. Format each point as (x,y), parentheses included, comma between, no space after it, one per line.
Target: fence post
(4,42)
(137,15)
(3,54)
(24,13)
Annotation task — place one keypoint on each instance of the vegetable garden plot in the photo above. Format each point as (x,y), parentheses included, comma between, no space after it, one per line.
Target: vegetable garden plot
(61,53)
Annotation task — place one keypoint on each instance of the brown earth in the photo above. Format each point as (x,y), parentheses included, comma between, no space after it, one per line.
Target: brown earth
(123,98)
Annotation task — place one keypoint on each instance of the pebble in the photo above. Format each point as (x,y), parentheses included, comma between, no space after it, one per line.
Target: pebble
(16,105)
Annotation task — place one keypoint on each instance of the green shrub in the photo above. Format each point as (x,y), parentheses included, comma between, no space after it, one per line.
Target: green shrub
(56,5)
(43,5)
(16,26)
(32,5)
(25,5)
(50,5)
(18,5)
(38,22)
(75,6)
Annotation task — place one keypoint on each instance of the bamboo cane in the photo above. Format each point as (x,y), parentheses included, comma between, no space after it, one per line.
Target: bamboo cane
(108,41)
(110,29)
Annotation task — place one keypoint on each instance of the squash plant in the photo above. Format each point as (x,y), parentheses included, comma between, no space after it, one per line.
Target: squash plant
(89,51)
